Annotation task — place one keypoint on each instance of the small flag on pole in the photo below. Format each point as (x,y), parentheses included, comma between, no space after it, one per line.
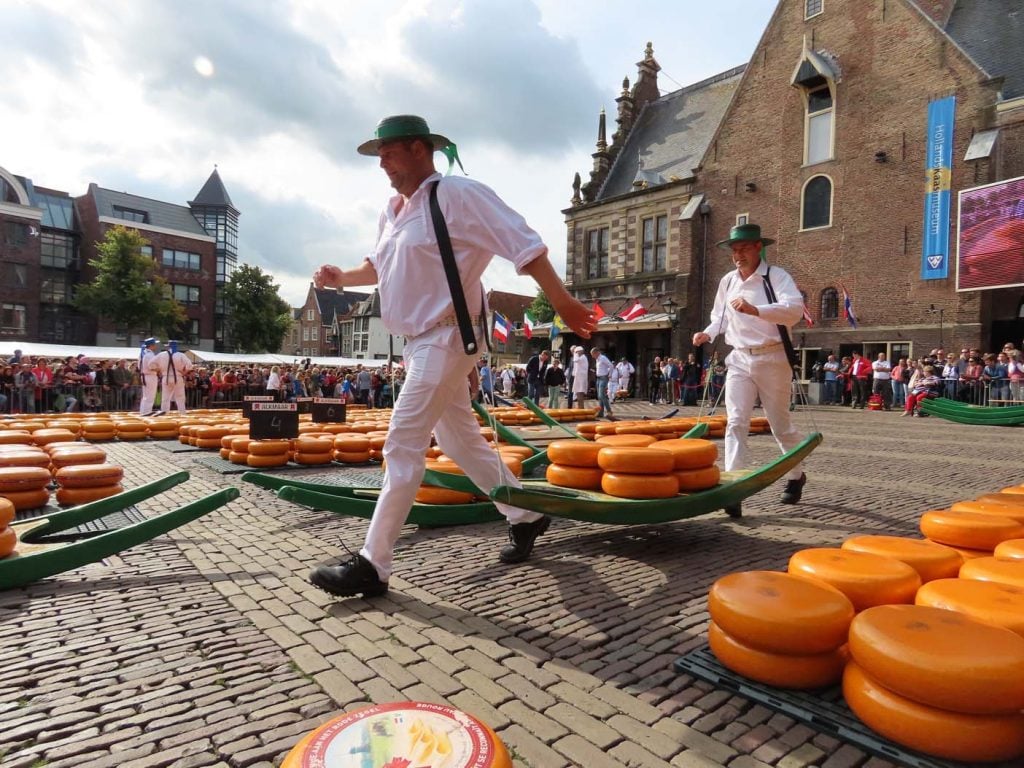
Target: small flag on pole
(557,326)
(528,323)
(598,311)
(848,313)
(807,317)
(500,331)
(637,310)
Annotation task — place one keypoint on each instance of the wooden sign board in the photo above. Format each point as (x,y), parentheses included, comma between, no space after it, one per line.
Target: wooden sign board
(248,400)
(328,410)
(274,421)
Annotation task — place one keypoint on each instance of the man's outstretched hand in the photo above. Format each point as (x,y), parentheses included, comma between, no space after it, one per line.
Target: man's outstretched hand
(327,276)
(577,316)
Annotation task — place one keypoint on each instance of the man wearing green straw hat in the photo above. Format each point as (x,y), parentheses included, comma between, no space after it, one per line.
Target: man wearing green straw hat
(755,307)
(418,302)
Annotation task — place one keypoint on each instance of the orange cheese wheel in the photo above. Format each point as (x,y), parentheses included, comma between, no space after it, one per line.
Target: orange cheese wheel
(521,452)
(627,486)
(782,670)
(89,475)
(266,460)
(988,601)
(585,478)
(72,497)
(955,736)
(132,425)
(930,560)
(627,441)
(1012,511)
(268,447)
(121,435)
(26,458)
(970,530)
(238,457)
(780,613)
(444,464)
(690,480)
(941,658)
(212,432)
(967,554)
(98,435)
(313,445)
(352,457)
(240,444)
(573,453)
(1011,499)
(207,444)
(689,454)
(23,478)
(1012,489)
(44,436)
(864,578)
(227,440)
(8,540)
(429,494)
(313,459)
(225,453)
(351,443)
(98,425)
(994,569)
(1011,549)
(635,461)
(15,437)
(436,735)
(6,513)
(27,499)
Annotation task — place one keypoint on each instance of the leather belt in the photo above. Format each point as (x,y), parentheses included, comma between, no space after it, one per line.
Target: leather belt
(764,349)
(448,321)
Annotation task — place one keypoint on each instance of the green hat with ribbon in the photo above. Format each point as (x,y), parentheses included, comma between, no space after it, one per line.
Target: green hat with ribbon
(399,127)
(742,232)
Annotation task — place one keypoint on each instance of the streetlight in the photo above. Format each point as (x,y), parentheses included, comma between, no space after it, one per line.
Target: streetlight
(937,310)
(670,309)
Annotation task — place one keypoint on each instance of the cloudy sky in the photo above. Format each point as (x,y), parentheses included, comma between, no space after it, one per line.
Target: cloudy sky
(147,96)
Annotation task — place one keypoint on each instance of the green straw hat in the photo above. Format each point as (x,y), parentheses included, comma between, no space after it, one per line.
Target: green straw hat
(398,127)
(743,232)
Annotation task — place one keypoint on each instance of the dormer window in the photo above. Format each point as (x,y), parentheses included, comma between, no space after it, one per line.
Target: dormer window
(816,76)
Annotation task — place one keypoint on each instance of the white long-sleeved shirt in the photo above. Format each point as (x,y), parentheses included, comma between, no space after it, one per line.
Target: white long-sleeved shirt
(580,373)
(744,331)
(411,279)
(603,366)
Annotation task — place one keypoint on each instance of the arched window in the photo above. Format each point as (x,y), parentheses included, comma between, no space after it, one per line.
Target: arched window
(816,205)
(829,304)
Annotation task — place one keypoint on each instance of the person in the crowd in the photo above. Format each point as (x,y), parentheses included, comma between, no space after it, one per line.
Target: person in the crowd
(416,302)
(655,377)
(759,366)
(1015,371)
(626,371)
(996,376)
(860,374)
(554,380)
(882,381)
(536,367)
(508,381)
(900,376)
(613,384)
(580,377)
(691,380)
(602,366)
(923,386)
(831,373)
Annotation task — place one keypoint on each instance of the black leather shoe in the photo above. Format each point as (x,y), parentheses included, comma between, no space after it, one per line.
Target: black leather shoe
(354,577)
(521,538)
(733,510)
(794,490)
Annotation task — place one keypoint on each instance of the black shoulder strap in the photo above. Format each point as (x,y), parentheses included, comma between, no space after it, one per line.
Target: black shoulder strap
(451,272)
(787,343)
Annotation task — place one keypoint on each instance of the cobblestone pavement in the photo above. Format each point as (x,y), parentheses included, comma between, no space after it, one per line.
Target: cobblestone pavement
(207,647)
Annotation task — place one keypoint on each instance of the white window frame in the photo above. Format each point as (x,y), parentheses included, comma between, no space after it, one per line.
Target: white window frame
(831,202)
(314,334)
(742,218)
(807,7)
(808,116)
(305,333)
(309,315)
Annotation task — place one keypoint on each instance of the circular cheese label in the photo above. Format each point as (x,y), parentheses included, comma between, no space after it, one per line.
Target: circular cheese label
(408,734)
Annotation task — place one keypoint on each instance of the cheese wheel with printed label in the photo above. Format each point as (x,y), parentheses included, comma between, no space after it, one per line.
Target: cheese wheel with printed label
(866,579)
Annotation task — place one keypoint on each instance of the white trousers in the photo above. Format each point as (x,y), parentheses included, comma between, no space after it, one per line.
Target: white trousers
(172,394)
(435,397)
(148,393)
(749,377)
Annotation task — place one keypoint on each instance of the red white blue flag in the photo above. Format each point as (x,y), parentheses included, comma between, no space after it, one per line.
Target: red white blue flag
(848,313)
(500,331)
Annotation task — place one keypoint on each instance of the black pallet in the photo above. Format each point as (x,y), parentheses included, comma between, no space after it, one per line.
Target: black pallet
(174,446)
(824,710)
(120,519)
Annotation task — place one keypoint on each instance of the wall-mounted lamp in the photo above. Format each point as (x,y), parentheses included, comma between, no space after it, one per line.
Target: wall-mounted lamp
(881,156)
(750,186)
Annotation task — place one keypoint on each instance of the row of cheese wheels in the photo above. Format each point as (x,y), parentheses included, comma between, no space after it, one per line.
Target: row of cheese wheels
(512,456)
(8,536)
(634,466)
(52,456)
(29,487)
(40,432)
(663,429)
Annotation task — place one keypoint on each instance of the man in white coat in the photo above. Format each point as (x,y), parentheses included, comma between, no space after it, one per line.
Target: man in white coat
(149,375)
(580,377)
(173,366)
(758,364)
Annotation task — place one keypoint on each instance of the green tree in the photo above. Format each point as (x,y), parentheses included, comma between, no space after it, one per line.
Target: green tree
(258,318)
(127,289)
(541,309)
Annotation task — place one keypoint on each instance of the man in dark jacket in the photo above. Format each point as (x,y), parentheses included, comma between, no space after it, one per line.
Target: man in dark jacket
(536,368)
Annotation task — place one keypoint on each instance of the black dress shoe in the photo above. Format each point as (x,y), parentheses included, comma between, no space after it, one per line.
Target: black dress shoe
(521,538)
(794,490)
(354,577)
(733,510)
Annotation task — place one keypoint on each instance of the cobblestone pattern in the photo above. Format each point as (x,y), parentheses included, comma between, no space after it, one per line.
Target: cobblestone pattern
(208,647)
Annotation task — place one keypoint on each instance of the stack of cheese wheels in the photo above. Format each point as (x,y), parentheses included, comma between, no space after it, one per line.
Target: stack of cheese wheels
(637,473)
(988,601)
(351,448)
(132,429)
(998,569)
(98,429)
(972,534)
(26,486)
(930,560)
(865,578)
(82,483)
(405,733)
(1011,549)
(377,438)
(239,449)
(208,436)
(49,435)
(313,450)
(163,429)
(8,537)
(432,494)
(268,453)
(81,453)
(938,681)
(24,456)
(779,629)
(759,425)
(16,437)
(574,464)
(694,463)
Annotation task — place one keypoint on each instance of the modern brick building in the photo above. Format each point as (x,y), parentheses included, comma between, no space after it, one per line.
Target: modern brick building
(823,141)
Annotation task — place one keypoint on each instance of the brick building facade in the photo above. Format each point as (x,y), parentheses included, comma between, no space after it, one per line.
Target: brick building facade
(823,143)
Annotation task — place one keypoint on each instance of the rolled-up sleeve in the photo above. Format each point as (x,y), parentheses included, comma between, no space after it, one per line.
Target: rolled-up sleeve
(488,223)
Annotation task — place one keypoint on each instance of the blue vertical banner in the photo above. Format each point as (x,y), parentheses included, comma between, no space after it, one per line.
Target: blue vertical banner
(937,195)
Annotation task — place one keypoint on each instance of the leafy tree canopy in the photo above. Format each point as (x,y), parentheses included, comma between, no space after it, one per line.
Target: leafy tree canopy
(258,318)
(541,309)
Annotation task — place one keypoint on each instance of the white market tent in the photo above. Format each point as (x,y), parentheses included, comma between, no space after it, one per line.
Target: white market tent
(61,351)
